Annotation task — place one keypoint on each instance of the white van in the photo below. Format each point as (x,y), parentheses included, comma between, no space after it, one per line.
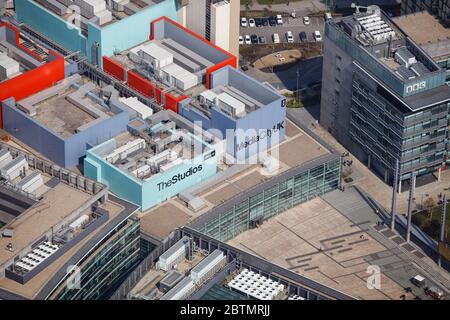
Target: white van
(276,38)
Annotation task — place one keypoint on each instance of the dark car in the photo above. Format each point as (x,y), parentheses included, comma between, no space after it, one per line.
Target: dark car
(244,68)
(303,36)
(273,21)
(254,38)
(265,22)
(262,39)
(258,22)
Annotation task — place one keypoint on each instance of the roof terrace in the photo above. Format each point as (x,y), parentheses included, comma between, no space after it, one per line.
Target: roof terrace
(399,61)
(71,106)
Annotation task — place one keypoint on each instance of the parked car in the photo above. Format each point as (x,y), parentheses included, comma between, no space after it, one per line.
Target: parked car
(251,22)
(306,21)
(248,40)
(254,39)
(265,22)
(303,37)
(279,19)
(317,36)
(258,22)
(273,21)
(276,38)
(243,22)
(434,292)
(241,40)
(289,37)
(419,281)
(328,16)
(244,68)
(262,39)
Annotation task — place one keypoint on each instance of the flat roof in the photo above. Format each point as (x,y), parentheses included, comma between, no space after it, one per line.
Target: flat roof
(58,203)
(185,62)
(427,31)
(108,16)
(221,190)
(34,286)
(161,221)
(68,107)
(316,241)
(173,146)
(19,56)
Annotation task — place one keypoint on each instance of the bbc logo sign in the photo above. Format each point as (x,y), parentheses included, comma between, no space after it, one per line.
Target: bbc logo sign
(416,86)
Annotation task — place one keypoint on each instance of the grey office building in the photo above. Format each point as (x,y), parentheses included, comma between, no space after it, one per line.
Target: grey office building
(383,97)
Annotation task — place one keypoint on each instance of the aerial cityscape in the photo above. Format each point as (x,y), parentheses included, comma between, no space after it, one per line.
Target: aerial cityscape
(225,150)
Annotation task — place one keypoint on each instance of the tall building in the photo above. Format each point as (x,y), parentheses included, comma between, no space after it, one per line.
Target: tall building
(383,97)
(440,8)
(62,235)
(215,20)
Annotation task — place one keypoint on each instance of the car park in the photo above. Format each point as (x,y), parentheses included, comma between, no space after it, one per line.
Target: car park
(317,36)
(306,21)
(279,19)
(254,39)
(243,22)
(241,40)
(251,22)
(303,37)
(248,40)
(262,39)
(276,38)
(289,37)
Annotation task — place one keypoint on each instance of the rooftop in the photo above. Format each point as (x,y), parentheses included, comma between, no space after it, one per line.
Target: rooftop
(154,145)
(98,11)
(69,107)
(168,64)
(427,31)
(237,97)
(334,245)
(384,41)
(224,188)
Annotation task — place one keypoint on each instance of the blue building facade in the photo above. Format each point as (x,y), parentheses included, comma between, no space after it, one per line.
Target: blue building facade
(148,193)
(257,130)
(99,41)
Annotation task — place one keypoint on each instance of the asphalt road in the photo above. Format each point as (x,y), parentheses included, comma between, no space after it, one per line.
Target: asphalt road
(289,24)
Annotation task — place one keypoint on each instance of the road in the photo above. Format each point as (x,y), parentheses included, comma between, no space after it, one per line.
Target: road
(289,24)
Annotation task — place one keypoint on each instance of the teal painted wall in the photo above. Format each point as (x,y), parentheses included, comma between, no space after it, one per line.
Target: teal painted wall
(46,22)
(119,183)
(129,32)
